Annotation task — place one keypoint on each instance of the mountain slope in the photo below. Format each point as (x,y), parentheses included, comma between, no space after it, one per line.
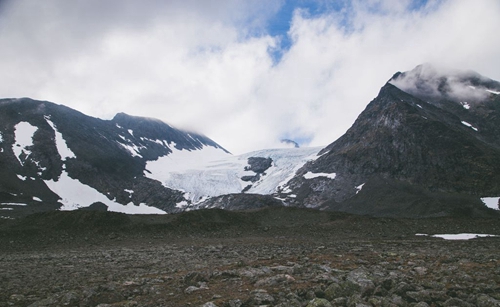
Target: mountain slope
(412,144)
(52,156)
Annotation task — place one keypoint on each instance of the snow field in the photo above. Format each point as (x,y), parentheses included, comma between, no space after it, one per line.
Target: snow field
(212,172)
(75,194)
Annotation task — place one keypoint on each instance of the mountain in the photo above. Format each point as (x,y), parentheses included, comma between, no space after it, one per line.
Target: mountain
(53,157)
(427,145)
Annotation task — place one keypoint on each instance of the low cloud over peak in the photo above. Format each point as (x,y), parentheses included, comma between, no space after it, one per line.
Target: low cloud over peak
(431,81)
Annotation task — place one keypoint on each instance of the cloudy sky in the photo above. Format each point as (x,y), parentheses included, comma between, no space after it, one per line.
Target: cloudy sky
(245,73)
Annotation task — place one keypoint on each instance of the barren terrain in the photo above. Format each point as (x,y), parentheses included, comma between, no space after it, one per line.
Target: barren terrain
(271,257)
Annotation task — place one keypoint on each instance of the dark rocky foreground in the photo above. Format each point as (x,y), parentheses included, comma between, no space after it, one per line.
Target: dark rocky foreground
(271,257)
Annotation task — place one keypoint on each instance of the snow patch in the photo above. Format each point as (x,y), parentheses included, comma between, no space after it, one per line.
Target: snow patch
(23,178)
(465,105)
(286,190)
(131,132)
(37,199)
(491,202)
(1,208)
(359,187)
(13,204)
(24,132)
(133,149)
(493,92)
(129,191)
(1,137)
(458,236)
(182,204)
(419,106)
(75,194)
(62,147)
(469,125)
(310,175)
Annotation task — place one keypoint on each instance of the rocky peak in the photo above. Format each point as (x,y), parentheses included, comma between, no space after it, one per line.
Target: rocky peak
(414,137)
(159,131)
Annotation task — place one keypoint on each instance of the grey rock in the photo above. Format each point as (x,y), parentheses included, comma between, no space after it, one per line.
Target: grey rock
(44,302)
(191,289)
(420,270)
(70,298)
(484,300)
(260,297)
(420,296)
(275,280)
(319,302)
(361,278)
(235,303)
(342,289)
(456,302)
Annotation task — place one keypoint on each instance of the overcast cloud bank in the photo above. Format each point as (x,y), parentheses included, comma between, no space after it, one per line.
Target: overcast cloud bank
(209,67)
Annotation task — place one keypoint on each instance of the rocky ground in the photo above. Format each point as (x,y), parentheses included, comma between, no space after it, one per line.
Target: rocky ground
(273,257)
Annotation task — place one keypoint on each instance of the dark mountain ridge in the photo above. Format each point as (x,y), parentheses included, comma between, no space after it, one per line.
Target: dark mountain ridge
(431,145)
(109,156)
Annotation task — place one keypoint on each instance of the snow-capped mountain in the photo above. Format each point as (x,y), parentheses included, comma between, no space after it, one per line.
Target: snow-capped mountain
(53,157)
(427,145)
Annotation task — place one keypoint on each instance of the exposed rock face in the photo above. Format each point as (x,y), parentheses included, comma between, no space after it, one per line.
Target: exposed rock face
(290,143)
(412,150)
(241,202)
(258,165)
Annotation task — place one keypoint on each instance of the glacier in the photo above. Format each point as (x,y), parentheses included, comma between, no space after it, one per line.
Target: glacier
(212,172)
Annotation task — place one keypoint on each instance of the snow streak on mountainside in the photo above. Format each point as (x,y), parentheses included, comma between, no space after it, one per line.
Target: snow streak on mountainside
(210,172)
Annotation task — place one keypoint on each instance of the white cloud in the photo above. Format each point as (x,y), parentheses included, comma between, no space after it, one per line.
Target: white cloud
(207,67)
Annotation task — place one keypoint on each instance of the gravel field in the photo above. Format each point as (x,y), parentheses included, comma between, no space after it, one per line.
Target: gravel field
(275,257)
